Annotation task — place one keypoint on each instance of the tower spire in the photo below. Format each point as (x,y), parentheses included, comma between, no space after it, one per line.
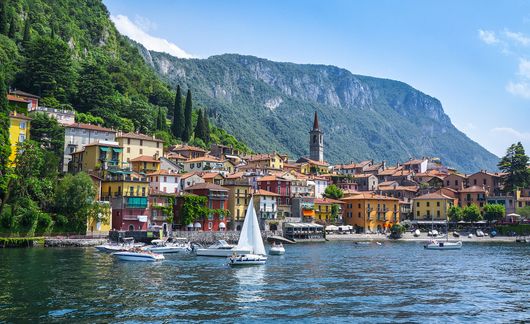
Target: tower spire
(315,122)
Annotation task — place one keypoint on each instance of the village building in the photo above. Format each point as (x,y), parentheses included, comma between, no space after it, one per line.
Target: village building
(96,156)
(370,213)
(266,206)
(432,206)
(217,200)
(135,144)
(325,212)
(145,164)
(164,181)
(188,152)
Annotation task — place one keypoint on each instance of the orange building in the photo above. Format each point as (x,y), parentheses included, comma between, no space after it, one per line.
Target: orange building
(368,212)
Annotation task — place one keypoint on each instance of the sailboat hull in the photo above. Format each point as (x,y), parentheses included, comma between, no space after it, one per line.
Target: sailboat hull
(443,245)
(247,260)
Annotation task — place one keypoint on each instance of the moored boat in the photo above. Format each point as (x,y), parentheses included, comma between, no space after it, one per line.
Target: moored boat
(127,244)
(443,245)
(138,255)
(162,246)
(220,249)
(277,249)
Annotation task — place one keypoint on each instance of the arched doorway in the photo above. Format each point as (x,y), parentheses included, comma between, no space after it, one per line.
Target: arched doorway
(273,227)
(131,227)
(238,227)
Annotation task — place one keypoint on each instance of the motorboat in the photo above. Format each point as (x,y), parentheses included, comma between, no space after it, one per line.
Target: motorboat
(479,233)
(363,243)
(138,255)
(250,238)
(220,249)
(127,244)
(163,246)
(443,245)
(417,233)
(277,249)
(456,234)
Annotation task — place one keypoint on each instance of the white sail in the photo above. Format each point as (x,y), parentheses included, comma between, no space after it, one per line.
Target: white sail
(250,234)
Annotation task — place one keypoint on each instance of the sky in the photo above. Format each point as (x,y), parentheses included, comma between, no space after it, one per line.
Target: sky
(474,56)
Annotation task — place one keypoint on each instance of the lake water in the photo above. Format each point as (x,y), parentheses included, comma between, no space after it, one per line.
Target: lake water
(327,282)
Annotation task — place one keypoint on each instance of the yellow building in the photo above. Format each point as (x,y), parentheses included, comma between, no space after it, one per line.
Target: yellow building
(135,145)
(238,199)
(431,206)
(266,161)
(18,132)
(323,209)
(145,164)
(101,223)
(314,167)
(100,155)
(368,212)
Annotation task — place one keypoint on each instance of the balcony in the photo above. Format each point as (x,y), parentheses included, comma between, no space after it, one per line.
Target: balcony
(214,196)
(136,202)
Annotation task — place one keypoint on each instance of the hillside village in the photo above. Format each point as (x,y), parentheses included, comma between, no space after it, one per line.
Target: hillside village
(146,186)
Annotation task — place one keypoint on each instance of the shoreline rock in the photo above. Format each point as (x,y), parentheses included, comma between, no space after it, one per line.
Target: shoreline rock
(65,242)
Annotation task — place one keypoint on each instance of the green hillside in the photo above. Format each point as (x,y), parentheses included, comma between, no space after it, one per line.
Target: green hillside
(70,53)
(271,105)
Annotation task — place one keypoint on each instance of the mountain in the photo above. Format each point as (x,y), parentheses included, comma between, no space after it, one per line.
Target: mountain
(271,105)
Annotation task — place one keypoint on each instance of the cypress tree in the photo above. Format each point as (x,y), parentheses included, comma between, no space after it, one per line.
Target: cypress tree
(12,28)
(160,120)
(3,17)
(177,127)
(206,127)
(199,127)
(27,34)
(5,145)
(186,135)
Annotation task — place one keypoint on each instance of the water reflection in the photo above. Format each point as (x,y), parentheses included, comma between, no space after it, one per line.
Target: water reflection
(251,281)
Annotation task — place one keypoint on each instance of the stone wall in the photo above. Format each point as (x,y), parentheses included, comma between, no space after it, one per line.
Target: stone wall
(64,242)
(206,238)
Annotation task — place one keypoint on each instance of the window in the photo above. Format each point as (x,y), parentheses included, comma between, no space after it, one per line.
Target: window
(141,151)
(141,142)
(484,182)
(418,213)
(428,204)
(474,181)
(359,206)
(456,182)
(210,225)
(22,125)
(128,150)
(418,204)
(448,182)
(437,204)
(359,214)
(21,138)
(157,144)
(129,141)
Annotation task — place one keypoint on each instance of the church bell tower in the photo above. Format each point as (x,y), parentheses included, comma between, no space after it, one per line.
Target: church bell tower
(316,142)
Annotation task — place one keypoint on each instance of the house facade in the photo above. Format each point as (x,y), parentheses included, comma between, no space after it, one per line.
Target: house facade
(370,213)
(218,200)
(135,145)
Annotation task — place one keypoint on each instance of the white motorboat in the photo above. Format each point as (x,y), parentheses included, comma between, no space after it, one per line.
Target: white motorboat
(443,245)
(163,246)
(126,245)
(277,249)
(138,255)
(250,238)
(221,249)
(417,233)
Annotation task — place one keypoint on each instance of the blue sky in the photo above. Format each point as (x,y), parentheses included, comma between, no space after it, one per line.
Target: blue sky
(474,56)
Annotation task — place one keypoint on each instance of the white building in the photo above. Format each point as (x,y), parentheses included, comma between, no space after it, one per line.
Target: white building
(205,163)
(320,185)
(165,181)
(77,135)
(189,179)
(266,205)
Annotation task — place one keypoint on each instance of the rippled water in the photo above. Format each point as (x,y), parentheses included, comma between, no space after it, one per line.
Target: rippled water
(331,282)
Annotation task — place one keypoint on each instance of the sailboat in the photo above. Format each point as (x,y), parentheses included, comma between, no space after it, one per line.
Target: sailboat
(443,245)
(249,239)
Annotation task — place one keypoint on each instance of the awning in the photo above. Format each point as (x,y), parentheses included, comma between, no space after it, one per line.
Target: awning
(190,225)
(222,225)
(197,225)
(117,149)
(104,149)
(307,212)
(142,218)
(332,228)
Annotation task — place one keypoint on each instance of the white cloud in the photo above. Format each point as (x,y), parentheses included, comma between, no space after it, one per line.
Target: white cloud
(524,68)
(512,132)
(487,37)
(145,23)
(519,38)
(520,89)
(133,31)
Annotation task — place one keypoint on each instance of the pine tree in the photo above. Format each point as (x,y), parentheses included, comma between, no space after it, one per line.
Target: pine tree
(5,145)
(94,88)
(177,127)
(3,17)
(199,127)
(12,28)
(206,127)
(515,165)
(186,135)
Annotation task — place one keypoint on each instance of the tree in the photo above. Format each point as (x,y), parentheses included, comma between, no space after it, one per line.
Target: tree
(494,212)
(3,17)
(206,127)
(177,126)
(199,127)
(194,207)
(27,32)
(88,118)
(186,134)
(5,144)
(94,88)
(333,192)
(334,212)
(515,165)
(12,28)
(524,212)
(455,213)
(46,131)
(160,120)
(74,198)
(471,213)
(48,69)
(396,231)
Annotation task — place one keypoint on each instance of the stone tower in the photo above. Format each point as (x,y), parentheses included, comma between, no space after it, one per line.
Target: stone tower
(316,142)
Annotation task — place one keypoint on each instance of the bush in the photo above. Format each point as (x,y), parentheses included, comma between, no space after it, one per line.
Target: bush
(44,222)
(61,220)
(6,219)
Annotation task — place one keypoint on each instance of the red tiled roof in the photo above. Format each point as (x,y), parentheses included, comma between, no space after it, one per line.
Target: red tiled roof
(210,175)
(17,99)
(326,201)
(415,161)
(23,93)
(90,127)
(164,172)
(187,148)
(473,189)
(19,116)
(261,192)
(209,186)
(204,159)
(433,195)
(138,136)
(368,195)
(145,158)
